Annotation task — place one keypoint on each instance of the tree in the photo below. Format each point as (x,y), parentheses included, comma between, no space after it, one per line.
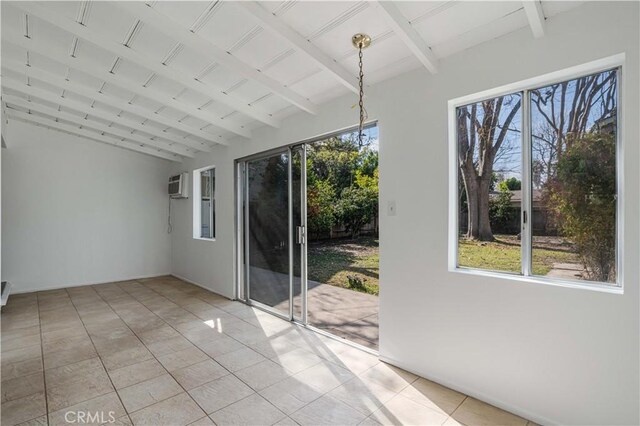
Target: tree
(563,112)
(364,180)
(483,129)
(320,207)
(573,147)
(511,184)
(358,204)
(583,199)
(334,160)
(369,162)
(501,212)
(356,207)
(340,168)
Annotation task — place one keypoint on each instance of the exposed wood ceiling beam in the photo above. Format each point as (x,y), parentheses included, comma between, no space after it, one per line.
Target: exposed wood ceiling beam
(535,15)
(277,26)
(95,94)
(30,118)
(141,59)
(403,29)
(15,100)
(48,96)
(117,81)
(153,18)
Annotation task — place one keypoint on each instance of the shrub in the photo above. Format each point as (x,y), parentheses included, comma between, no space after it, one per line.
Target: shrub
(360,284)
(320,202)
(582,197)
(502,214)
(356,283)
(356,207)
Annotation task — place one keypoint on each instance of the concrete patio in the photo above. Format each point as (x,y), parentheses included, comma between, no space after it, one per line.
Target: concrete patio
(345,313)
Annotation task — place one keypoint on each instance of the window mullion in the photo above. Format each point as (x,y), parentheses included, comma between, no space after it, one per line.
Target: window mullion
(526,207)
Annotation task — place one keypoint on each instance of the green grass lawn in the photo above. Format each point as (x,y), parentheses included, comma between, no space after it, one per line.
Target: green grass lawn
(334,261)
(503,254)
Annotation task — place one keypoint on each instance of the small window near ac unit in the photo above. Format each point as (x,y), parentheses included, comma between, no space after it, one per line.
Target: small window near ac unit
(204,206)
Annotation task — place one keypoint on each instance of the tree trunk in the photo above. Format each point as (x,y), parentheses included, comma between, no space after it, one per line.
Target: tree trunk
(477,189)
(471,188)
(484,225)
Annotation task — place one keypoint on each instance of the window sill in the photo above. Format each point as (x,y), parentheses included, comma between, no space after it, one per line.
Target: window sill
(204,239)
(603,288)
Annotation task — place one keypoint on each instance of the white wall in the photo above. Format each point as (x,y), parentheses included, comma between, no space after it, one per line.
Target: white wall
(204,262)
(552,354)
(77,211)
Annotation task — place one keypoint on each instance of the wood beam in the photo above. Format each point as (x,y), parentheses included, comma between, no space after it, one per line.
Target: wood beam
(30,118)
(403,29)
(141,59)
(118,81)
(87,67)
(95,94)
(153,18)
(296,40)
(535,15)
(48,96)
(176,149)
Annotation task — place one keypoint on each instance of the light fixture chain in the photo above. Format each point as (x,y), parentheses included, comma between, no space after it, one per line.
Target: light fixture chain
(361,100)
(361,41)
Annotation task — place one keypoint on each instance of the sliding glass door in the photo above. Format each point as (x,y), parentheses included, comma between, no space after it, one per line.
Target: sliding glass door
(308,223)
(298,226)
(266,231)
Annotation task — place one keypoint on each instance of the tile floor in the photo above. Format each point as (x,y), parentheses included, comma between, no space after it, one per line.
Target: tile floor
(163,352)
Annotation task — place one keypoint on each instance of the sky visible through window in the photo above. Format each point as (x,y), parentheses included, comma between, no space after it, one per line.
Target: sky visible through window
(370,139)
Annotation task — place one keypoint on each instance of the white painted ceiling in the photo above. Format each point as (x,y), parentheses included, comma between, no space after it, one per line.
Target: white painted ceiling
(174,78)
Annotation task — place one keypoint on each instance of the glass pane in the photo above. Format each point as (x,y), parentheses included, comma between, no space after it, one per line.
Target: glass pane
(343,244)
(207,205)
(573,130)
(213,203)
(490,184)
(297,188)
(268,231)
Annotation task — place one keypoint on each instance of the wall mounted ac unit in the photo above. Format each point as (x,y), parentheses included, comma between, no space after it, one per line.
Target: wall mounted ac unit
(179,186)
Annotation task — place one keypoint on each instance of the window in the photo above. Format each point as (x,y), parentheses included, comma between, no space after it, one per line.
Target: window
(490,171)
(204,207)
(537,181)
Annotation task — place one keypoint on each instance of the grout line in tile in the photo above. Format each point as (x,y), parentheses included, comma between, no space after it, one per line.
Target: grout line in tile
(458,407)
(146,347)
(44,376)
(96,349)
(180,298)
(229,371)
(152,354)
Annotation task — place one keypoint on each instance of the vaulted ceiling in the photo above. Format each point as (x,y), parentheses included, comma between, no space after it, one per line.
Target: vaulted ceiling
(173,78)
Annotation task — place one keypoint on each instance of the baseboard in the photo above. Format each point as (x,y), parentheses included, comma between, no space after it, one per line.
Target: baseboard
(518,411)
(58,287)
(199,285)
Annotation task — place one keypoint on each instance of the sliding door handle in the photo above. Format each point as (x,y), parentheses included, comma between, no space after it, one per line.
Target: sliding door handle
(300,237)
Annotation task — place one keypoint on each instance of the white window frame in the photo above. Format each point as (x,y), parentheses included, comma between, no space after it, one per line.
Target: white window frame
(524,86)
(197,208)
